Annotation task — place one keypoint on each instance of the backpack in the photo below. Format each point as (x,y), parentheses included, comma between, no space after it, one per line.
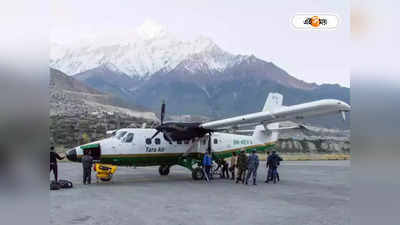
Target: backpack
(65,184)
(54,185)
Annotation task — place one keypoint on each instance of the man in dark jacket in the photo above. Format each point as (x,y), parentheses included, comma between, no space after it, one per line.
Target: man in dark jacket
(273,162)
(53,162)
(242,166)
(87,162)
(252,166)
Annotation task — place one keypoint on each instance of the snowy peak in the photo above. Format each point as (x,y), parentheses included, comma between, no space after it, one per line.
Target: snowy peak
(205,44)
(150,29)
(142,52)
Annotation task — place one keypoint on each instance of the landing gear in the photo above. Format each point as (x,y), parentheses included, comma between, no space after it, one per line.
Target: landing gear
(197,173)
(164,170)
(189,163)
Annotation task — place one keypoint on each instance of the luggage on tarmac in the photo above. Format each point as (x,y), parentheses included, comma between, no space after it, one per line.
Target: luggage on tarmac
(65,184)
(60,184)
(54,185)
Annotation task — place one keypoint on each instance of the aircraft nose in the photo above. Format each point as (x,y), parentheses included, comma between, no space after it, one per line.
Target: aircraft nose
(344,106)
(71,155)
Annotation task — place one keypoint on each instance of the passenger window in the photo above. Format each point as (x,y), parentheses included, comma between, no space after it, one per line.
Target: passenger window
(148,141)
(215,141)
(179,142)
(128,138)
(157,141)
(186,142)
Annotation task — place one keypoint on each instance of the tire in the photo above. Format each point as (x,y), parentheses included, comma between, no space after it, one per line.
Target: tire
(197,174)
(163,170)
(105,179)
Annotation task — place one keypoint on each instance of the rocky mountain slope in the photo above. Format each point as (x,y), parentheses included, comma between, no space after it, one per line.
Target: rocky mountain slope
(76,109)
(69,96)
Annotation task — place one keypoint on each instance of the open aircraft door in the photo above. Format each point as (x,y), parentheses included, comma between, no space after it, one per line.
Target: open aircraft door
(94,150)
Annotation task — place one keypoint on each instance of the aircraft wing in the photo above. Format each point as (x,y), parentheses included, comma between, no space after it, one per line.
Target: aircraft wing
(283,113)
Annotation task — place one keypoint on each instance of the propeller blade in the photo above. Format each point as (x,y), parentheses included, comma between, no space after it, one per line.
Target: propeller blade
(162,112)
(158,131)
(168,138)
(192,147)
(209,144)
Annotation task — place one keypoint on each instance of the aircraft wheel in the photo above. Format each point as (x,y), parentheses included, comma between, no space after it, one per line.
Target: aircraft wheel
(163,170)
(197,174)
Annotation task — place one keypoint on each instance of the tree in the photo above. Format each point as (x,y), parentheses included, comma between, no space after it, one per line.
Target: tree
(85,138)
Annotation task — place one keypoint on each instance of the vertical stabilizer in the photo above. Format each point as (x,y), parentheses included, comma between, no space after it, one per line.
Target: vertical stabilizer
(267,133)
(274,101)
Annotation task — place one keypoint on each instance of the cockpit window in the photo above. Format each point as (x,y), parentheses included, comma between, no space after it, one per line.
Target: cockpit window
(128,138)
(120,135)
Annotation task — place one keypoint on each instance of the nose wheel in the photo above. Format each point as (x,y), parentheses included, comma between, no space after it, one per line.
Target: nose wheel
(164,170)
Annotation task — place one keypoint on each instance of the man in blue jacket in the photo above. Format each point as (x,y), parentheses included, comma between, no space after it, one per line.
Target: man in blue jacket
(207,162)
(252,166)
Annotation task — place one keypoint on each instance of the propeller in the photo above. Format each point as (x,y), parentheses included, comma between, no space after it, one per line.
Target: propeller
(160,127)
(162,112)
(209,143)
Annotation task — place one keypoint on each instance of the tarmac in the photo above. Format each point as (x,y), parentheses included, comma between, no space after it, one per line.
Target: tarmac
(310,192)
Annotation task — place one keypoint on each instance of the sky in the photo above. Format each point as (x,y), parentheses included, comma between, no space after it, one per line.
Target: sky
(261,28)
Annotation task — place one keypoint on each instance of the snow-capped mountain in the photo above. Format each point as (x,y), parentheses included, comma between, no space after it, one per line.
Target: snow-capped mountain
(149,64)
(149,49)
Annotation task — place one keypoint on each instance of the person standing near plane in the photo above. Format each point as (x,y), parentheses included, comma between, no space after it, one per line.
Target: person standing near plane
(53,162)
(269,170)
(207,163)
(273,162)
(253,163)
(233,165)
(87,162)
(242,166)
(225,171)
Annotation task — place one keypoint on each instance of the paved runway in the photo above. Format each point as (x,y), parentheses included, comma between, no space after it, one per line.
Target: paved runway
(309,193)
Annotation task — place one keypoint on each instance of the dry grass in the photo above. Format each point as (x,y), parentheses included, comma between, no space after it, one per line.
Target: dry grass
(305,157)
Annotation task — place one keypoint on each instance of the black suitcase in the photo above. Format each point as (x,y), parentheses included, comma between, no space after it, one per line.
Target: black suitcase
(65,184)
(54,185)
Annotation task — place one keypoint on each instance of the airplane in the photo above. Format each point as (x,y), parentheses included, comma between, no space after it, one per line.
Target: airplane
(185,143)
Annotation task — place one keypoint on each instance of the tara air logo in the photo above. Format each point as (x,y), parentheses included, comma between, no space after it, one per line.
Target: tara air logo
(315,21)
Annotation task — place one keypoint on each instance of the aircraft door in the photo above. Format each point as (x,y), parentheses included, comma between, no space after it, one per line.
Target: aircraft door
(94,150)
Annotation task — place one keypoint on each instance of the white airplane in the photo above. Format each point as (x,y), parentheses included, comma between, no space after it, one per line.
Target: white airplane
(184,144)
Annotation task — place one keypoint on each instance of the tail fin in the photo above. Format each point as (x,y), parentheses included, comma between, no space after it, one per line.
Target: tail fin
(274,101)
(261,133)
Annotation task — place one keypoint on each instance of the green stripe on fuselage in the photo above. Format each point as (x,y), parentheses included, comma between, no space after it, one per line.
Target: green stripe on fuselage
(172,158)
